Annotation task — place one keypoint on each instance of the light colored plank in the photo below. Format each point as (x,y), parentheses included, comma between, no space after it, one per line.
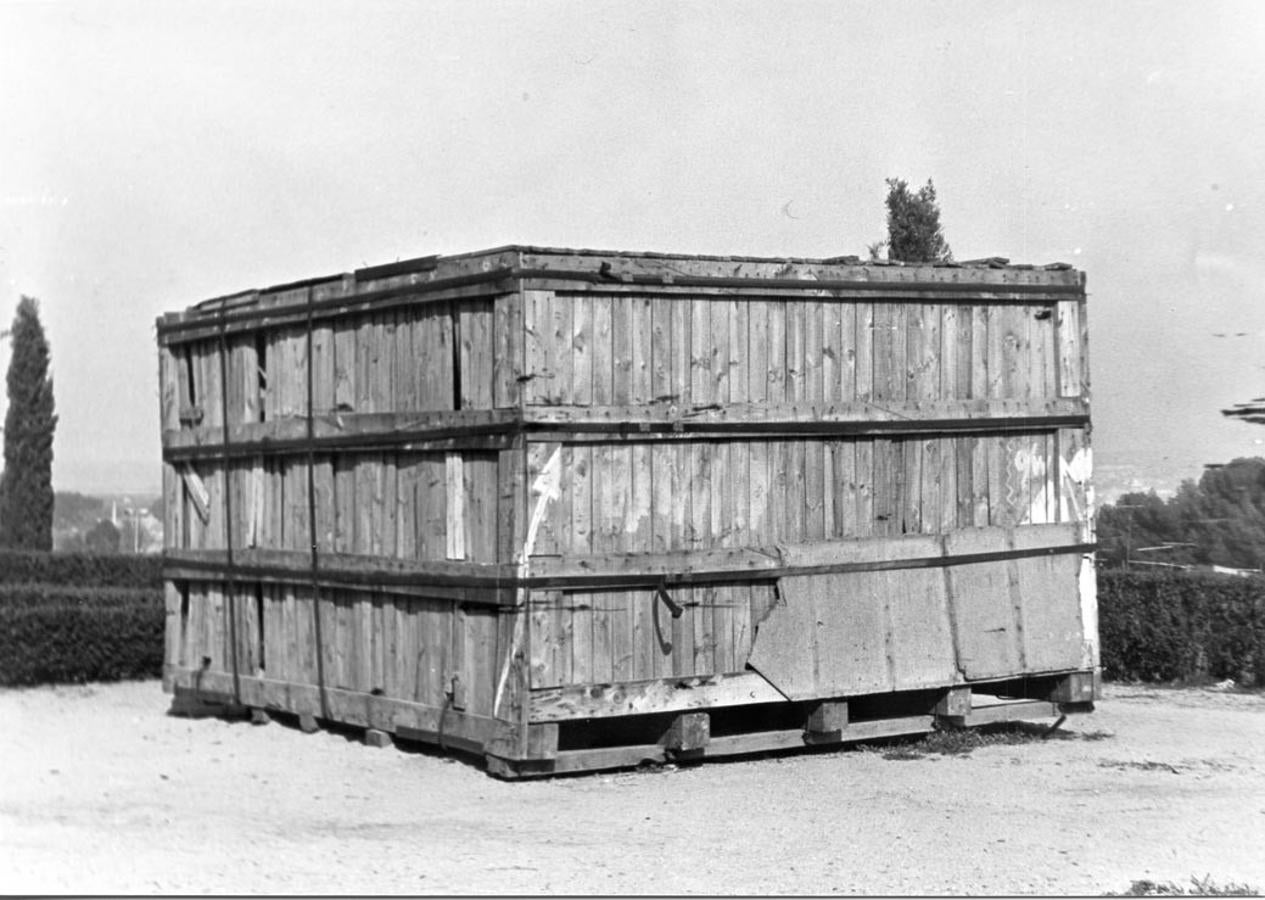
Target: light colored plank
(455,528)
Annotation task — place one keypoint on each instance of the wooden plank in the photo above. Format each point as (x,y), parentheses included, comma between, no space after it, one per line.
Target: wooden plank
(701,353)
(955,352)
(623,637)
(757,495)
(923,352)
(758,374)
(621,350)
(662,386)
(843,489)
(699,526)
(642,335)
(671,695)
(835,366)
(815,526)
(682,342)
(603,350)
(455,526)
(739,340)
(778,391)
(508,359)
(739,489)
(863,347)
(581,350)
(796,360)
(703,598)
(720,351)
(539,345)
(583,639)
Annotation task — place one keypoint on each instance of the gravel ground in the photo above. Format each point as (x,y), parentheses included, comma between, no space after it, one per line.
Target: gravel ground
(105,793)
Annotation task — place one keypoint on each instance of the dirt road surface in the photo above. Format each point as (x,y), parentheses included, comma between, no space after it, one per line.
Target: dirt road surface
(103,792)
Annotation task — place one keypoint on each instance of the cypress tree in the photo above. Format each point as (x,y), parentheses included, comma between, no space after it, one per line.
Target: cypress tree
(26,485)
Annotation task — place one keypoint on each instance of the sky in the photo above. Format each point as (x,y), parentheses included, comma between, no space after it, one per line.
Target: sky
(154,154)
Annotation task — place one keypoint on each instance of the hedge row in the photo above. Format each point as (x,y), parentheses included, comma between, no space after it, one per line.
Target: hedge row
(74,642)
(32,595)
(1181,626)
(84,569)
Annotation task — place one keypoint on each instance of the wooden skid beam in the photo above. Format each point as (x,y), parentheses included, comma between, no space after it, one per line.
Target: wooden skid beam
(1002,712)
(408,720)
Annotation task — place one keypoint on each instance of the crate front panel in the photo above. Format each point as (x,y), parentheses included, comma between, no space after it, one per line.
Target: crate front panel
(681,495)
(400,504)
(434,355)
(592,349)
(408,648)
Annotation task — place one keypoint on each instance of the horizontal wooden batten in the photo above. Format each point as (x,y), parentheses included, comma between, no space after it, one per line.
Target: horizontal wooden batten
(493,429)
(476,583)
(845,419)
(678,694)
(844,290)
(210,323)
(631,569)
(422,431)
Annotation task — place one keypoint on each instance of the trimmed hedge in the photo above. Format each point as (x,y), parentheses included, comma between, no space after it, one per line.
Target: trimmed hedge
(27,596)
(77,642)
(1160,626)
(76,617)
(83,569)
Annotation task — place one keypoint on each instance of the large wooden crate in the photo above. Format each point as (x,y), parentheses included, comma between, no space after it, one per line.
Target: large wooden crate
(573,509)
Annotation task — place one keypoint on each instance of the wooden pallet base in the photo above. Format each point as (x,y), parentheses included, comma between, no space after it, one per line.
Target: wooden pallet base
(543,749)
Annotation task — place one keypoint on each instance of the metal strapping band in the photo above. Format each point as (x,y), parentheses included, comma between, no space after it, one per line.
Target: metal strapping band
(311,518)
(230,584)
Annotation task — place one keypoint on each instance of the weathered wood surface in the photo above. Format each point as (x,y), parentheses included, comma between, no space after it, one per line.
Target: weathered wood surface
(533,485)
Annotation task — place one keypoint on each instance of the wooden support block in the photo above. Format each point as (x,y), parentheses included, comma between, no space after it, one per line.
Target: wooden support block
(955,702)
(689,733)
(541,741)
(377,738)
(826,722)
(1078,687)
(259,716)
(307,724)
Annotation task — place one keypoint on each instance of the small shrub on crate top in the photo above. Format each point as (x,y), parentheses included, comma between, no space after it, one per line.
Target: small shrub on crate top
(1181,626)
(79,638)
(84,569)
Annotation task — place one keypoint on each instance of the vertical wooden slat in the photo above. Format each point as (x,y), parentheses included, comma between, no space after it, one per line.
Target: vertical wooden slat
(758,350)
(720,353)
(777,380)
(582,524)
(761,532)
(621,350)
(508,338)
(814,359)
(642,327)
(814,489)
(701,347)
(739,349)
(681,457)
(833,361)
(603,351)
(863,334)
(796,376)
(682,342)
(700,489)
(662,387)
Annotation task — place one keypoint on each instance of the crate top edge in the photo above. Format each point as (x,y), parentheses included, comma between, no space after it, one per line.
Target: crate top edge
(514,260)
